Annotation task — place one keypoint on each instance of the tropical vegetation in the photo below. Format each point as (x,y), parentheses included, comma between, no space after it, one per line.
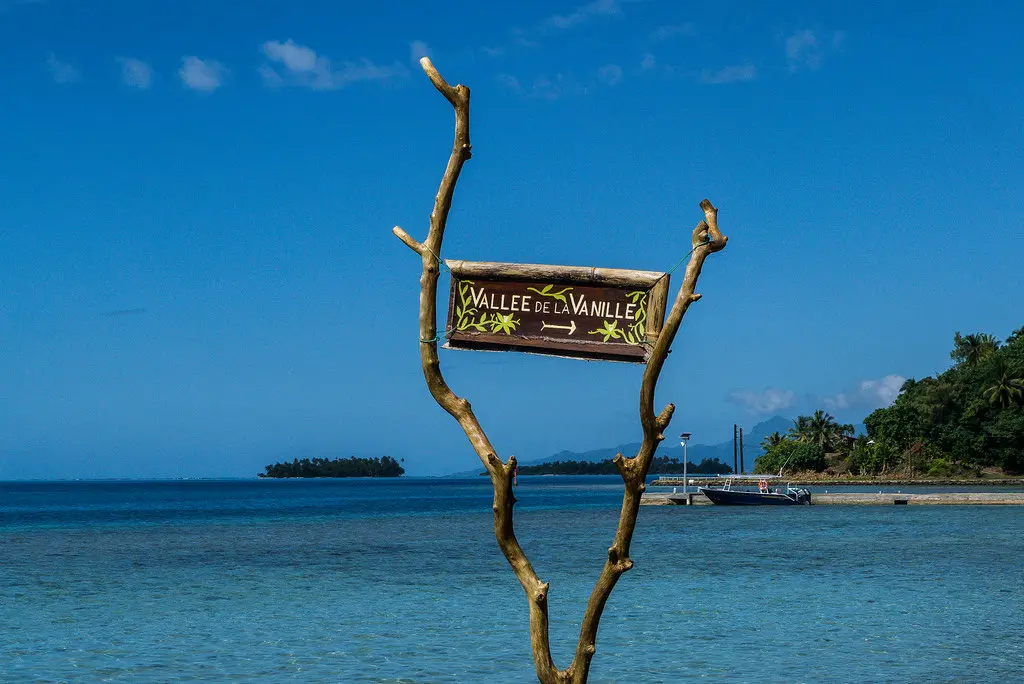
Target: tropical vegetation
(660,465)
(964,421)
(385,466)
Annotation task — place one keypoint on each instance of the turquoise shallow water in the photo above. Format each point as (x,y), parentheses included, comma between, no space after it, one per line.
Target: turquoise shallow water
(388,581)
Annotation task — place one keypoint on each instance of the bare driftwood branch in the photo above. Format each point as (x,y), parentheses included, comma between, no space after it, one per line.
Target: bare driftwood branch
(584,275)
(706,239)
(501,474)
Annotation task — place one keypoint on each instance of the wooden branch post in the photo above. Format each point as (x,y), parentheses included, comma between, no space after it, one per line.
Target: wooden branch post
(706,239)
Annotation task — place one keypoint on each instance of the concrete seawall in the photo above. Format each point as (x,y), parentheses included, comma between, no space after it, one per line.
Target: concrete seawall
(677,481)
(860,499)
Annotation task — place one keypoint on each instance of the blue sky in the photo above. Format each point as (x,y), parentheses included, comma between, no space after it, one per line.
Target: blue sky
(197,273)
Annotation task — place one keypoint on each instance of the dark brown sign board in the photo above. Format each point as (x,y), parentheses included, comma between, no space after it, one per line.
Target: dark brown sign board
(577,312)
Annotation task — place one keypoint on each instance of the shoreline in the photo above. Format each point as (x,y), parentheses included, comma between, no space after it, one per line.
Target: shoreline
(860,482)
(858,499)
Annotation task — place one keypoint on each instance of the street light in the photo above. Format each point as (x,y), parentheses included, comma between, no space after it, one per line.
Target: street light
(683,439)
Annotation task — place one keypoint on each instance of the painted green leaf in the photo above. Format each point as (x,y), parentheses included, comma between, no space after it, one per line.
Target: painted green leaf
(610,330)
(546,292)
(503,323)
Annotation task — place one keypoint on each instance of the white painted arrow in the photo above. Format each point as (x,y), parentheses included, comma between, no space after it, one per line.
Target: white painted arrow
(571,327)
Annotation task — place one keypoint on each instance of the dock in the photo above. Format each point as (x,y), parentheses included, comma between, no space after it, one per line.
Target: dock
(678,481)
(859,499)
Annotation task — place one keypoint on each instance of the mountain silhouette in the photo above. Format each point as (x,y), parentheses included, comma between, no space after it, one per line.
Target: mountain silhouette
(695,452)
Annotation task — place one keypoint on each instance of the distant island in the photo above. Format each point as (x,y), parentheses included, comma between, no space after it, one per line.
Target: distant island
(338,467)
(659,466)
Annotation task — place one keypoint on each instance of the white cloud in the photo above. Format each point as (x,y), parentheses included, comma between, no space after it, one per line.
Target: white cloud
(663,33)
(730,74)
(418,49)
(298,65)
(294,57)
(531,37)
(610,74)
(648,62)
(544,86)
(867,394)
(62,72)
(511,82)
(555,88)
(365,70)
(805,49)
(582,14)
(771,400)
(523,38)
(802,50)
(135,73)
(205,75)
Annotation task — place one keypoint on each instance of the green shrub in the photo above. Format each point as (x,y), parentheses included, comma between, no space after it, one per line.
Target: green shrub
(792,456)
(941,467)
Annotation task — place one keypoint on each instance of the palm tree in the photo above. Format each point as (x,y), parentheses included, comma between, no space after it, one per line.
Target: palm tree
(939,399)
(989,345)
(972,348)
(1008,390)
(824,431)
(845,430)
(800,430)
(771,440)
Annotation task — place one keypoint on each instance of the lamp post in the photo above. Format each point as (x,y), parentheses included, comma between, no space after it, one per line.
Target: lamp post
(683,439)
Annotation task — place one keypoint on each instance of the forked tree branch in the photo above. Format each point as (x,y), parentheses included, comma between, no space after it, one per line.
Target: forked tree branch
(501,474)
(706,239)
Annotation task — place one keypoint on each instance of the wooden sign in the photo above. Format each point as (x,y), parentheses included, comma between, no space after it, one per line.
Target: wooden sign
(578,312)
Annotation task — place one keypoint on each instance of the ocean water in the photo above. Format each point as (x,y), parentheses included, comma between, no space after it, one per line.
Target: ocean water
(401,581)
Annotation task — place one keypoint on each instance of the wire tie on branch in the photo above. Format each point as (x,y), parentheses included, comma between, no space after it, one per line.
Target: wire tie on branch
(687,256)
(440,337)
(440,261)
(646,343)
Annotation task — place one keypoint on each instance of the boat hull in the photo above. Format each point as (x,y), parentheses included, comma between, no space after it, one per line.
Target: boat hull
(734,497)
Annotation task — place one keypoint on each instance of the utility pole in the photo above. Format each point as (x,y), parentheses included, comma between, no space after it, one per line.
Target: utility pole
(684,438)
(735,462)
(742,469)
